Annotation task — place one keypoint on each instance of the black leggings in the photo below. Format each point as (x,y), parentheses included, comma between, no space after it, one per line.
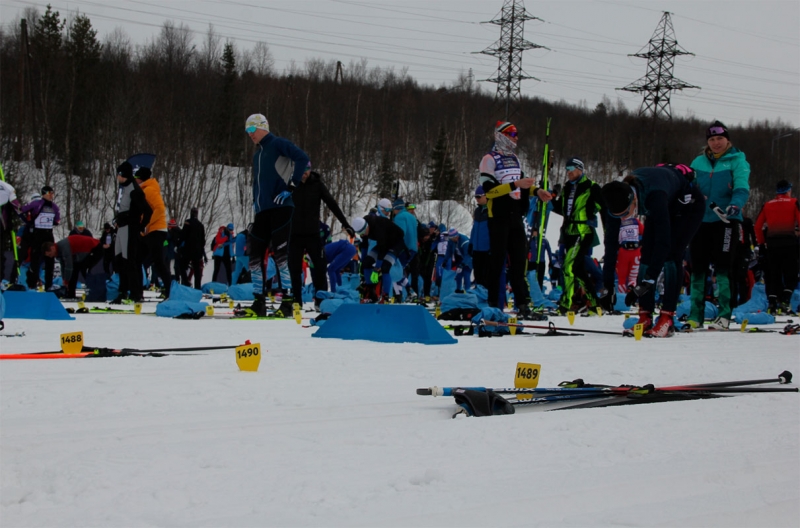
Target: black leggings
(507,239)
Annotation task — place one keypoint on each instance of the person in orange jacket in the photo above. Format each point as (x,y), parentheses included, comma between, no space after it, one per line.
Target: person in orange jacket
(154,236)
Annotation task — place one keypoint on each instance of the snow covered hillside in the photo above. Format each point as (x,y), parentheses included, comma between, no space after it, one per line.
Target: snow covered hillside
(331,433)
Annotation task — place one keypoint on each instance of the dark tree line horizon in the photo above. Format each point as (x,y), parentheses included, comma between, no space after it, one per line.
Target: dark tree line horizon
(74,107)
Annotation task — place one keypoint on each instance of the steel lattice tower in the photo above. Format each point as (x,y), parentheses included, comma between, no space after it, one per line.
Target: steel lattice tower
(508,51)
(658,83)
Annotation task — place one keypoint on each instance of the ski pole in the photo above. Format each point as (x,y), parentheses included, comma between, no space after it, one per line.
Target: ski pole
(179,349)
(557,398)
(13,234)
(783,378)
(645,389)
(542,204)
(448,391)
(138,350)
(552,326)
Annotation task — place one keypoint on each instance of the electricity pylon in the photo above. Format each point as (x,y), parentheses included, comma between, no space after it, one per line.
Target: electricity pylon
(659,82)
(508,51)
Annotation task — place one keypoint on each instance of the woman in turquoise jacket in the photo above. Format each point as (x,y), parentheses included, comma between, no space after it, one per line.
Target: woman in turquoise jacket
(722,175)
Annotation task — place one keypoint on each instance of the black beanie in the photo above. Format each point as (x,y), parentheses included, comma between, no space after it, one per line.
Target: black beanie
(143,173)
(717,129)
(783,187)
(125,170)
(617,196)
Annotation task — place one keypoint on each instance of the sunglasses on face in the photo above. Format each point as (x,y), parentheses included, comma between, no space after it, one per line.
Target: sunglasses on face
(510,134)
(250,129)
(716,131)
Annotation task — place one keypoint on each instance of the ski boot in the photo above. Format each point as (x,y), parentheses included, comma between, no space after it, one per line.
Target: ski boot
(645,319)
(257,309)
(286,309)
(664,326)
(720,323)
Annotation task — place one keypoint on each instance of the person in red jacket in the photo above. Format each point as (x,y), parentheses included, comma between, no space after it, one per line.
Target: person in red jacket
(77,254)
(776,233)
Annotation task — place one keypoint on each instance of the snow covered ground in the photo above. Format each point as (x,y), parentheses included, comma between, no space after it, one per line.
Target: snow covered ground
(331,432)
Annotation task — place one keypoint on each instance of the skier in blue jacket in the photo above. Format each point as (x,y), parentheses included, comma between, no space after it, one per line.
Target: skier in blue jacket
(278,167)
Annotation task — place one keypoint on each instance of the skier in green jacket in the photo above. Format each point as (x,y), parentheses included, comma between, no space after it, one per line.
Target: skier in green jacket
(579,203)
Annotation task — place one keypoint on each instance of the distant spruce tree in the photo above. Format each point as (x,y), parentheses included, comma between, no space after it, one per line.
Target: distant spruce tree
(386,175)
(442,177)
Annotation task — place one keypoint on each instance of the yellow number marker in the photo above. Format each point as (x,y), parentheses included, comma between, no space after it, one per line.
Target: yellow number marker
(137,308)
(209,310)
(637,331)
(526,377)
(571,318)
(230,304)
(298,315)
(438,311)
(72,343)
(81,305)
(511,328)
(744,326)
(248,356)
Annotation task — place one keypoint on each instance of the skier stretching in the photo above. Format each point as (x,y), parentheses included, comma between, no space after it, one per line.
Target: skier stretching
(674,210)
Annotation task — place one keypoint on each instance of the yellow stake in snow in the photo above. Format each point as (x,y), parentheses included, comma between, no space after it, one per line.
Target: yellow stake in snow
(209,310)
(638,329)
(298,315)
(511,328)
(526,377)
(72,343)
(571,318)
(248,356)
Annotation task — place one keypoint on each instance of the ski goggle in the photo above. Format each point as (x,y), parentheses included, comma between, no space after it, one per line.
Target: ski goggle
(250,129)
(512,134)
(716,131)
(570,168)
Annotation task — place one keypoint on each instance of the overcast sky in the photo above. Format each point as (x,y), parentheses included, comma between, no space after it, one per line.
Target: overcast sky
(747,53)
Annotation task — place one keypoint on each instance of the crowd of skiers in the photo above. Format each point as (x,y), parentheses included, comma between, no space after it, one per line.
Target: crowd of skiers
(667,228)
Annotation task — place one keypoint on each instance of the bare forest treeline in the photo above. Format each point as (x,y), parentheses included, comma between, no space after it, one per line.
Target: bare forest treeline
(73,107)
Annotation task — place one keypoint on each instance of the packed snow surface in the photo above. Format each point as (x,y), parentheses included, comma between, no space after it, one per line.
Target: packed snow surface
(331,432)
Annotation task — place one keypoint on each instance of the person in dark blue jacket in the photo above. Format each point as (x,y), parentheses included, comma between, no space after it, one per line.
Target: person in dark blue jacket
(674,209)
(278,166)
(479,237)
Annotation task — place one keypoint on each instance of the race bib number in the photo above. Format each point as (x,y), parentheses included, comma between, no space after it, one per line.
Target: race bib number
(45,220)
(629,234)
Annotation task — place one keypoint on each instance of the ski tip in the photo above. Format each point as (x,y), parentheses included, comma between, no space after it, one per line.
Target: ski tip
(425,392)
(785,377)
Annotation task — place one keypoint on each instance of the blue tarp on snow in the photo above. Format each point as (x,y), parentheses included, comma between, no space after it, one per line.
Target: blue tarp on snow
(34,305)
(172,308)
(385,323)
(178,292)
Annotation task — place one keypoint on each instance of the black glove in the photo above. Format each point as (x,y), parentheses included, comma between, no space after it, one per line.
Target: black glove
(350,231)
(608,300)
(644,286)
